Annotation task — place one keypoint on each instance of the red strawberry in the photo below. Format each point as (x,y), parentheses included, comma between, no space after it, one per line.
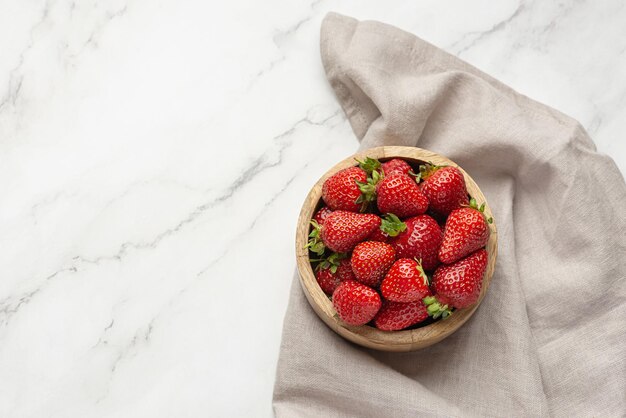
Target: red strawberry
(405,282)
(322,214)
(399,194)
(342,230)
(395,316)
(421,241)
(396,166)
(457,285)
(356,304)
(466,231)
(379,235)
(390,226)
(371,260)
(341,191)
(444,187)
(331,273)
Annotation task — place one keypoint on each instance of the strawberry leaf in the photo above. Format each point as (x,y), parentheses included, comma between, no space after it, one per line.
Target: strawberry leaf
(435,308)
(425,171)
(331,262)
(369,165)
(315,243)
(474,205)
(368,189)
(376,177)
(368,193)
(392,225)
(417,176)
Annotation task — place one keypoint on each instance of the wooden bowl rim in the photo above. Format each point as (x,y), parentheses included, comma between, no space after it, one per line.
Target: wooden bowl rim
(365,335)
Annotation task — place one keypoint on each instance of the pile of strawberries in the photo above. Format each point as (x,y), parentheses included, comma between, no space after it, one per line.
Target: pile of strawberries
(394,247)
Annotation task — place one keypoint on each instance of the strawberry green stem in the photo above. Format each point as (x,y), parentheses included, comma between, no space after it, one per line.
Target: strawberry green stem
(435,308)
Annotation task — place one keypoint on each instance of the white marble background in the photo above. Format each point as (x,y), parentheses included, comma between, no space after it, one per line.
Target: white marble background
(153,159)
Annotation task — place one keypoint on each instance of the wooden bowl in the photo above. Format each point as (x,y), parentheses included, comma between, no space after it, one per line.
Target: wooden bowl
(406,340)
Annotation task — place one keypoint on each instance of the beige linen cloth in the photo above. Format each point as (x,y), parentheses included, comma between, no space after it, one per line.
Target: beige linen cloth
(549,338)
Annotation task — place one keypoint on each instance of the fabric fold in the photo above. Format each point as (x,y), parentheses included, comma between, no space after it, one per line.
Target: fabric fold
(548,339)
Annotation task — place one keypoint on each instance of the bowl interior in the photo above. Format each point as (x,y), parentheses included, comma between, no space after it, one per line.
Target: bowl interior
(424,334)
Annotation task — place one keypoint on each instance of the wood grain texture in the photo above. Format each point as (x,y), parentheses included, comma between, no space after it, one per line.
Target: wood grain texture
(367,336)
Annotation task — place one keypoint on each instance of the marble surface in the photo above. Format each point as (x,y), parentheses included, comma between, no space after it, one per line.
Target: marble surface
(153,160)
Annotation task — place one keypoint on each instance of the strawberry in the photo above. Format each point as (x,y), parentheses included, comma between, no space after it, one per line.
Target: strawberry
(322,214)
(342,230)
(341,191)
(406,281)
(390,226)
(378,235)
(396,166)
(394,316)
(466,231)
(444,187)
(400,194)
(355,303)
(332,271)
(457,285)
(420,240)
(371,260)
